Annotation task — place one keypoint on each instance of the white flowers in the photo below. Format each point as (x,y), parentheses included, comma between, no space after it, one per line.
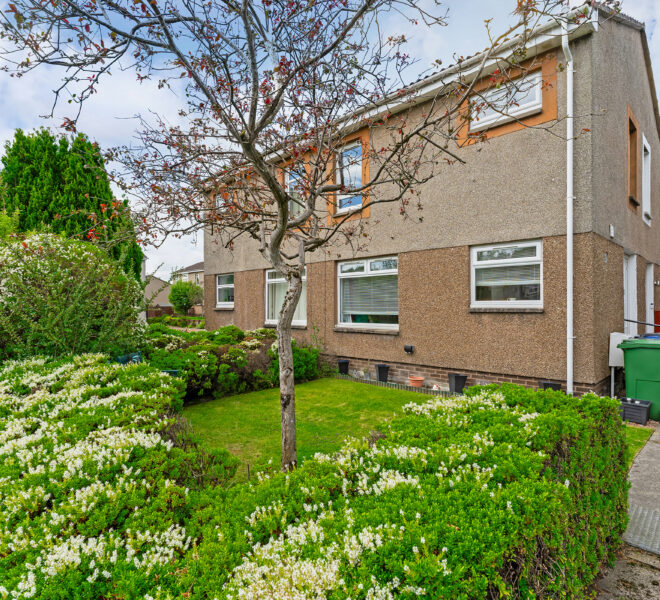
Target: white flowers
(64,452)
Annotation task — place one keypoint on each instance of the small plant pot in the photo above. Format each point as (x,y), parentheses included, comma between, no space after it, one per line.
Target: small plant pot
(636,411)
(457,383)
(415,380)
(383,372)
(342,365)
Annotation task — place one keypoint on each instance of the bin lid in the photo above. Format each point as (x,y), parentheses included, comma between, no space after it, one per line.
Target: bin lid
(640,343)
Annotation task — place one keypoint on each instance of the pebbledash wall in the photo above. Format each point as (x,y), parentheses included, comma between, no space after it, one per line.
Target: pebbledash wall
(510,189)
(525,346)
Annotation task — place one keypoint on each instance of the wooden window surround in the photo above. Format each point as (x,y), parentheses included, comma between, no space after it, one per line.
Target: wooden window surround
(546,64)
(633,162)
(359,213)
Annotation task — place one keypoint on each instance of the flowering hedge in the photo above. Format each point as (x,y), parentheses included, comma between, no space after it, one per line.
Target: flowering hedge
(92,481)
(504,492)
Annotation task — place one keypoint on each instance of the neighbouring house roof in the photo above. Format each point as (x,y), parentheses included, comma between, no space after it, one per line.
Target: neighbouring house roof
(198,267)
(156,291)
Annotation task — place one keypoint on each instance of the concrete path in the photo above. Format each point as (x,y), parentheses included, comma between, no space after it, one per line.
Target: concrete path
(644,498)
(636,573)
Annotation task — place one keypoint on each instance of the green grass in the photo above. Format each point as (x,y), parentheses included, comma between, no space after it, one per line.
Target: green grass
(636,438)
(327,411)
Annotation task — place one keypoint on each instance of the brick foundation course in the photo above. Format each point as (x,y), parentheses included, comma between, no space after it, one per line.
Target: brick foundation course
(399,372)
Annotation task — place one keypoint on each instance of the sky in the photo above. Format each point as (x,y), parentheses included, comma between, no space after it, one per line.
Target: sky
(109,117)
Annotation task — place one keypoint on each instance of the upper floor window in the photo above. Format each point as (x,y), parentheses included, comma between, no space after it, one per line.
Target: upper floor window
(225,291)
(369,293)
(633,193)
(506,275)
(509,101)
(349,175)
(293,183)
(276,287)
(646,180)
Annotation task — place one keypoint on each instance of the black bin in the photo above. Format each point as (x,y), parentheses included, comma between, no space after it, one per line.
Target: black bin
(636,411)
(382,371)
(551,385)
(342,364)
(457,383)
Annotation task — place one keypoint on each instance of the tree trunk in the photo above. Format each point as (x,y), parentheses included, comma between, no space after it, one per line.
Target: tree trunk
(287,390)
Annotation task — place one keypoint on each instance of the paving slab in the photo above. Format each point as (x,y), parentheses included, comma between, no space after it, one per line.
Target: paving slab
(644,497)
(645,475)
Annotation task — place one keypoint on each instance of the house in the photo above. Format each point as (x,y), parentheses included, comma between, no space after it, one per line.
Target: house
(504,279)
(194,273)
(156,292)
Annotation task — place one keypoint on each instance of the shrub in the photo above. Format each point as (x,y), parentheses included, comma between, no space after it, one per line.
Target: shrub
(97,479)
(184,295)
(305,363)
(504,493)
(64,297)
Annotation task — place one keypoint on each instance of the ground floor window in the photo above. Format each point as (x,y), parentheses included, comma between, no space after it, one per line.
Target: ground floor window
(275,290)
(505,275)
(369,292)
(225,291)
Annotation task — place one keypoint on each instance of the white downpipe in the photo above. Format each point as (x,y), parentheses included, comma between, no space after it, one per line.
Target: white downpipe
(569,207)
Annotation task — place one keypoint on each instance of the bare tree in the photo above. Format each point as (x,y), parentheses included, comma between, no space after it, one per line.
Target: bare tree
(273,91)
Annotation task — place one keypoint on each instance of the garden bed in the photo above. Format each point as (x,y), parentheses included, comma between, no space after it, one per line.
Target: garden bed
(505,492)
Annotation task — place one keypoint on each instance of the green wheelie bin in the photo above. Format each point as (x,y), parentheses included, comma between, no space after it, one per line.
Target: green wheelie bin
(641,356)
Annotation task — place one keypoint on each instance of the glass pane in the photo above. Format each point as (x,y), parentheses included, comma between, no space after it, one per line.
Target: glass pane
(357,267)
(276,293)
(508,252)
(295,189)
(509,98)
(349,201)
(383,264)
(508,283)
(350,167)
(226,279)
(369,300)
(225,294)
(273,275)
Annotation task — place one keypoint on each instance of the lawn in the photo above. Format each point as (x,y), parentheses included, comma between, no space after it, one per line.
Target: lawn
(327,411)
(636,437)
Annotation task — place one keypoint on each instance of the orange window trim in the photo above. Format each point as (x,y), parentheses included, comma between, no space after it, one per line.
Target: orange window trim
(360,213)
(547,64)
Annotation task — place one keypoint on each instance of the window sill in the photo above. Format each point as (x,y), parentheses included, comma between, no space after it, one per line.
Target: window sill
(274,326)
(377,331)
(507,309)
(223,307)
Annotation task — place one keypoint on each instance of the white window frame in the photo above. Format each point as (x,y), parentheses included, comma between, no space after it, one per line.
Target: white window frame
(646,181)
(538,259)
(366,273)
(531,107)
(344,148)
(281,279)
(219,286)
(294,208)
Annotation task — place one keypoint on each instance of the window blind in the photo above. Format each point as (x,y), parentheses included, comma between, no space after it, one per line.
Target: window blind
(370,295)
(512,275)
